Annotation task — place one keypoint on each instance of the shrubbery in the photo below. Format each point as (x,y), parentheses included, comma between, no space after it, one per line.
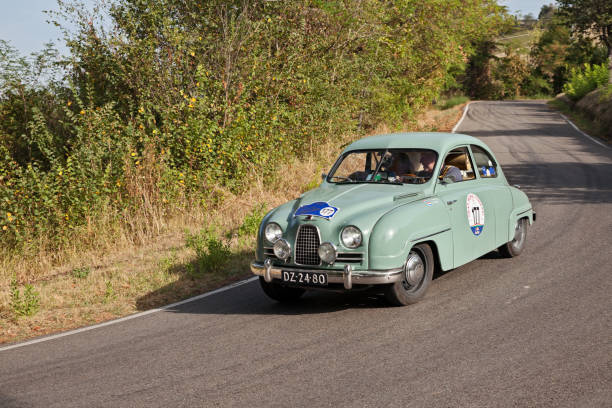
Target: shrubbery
(174,99)
(24,303)
(583,81)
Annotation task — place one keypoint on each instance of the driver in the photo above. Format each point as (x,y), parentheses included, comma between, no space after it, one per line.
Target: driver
(401,164)
(428,161)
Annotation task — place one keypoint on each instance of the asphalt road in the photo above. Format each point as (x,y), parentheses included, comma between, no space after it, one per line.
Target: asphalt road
(531,331)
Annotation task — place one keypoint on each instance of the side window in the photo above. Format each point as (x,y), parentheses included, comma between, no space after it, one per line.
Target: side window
(457,165)
(485,164)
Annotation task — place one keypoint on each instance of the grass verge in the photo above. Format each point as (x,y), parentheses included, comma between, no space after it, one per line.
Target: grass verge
(453,101)
(580,119)
(197,252)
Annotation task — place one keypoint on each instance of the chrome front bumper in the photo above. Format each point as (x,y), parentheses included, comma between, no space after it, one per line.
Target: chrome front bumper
(348,276)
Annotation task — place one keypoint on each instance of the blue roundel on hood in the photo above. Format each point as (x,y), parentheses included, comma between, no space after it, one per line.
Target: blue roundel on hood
(318,209)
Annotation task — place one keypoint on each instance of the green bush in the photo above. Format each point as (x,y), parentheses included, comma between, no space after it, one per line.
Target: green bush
(109,291)
(174,99)
(211,252)
(81,273)
(26,303)
(251,222)
(583,81)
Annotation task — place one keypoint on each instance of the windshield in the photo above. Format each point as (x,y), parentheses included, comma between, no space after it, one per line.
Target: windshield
(396,166)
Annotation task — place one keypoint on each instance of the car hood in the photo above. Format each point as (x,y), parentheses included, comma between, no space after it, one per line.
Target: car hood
(361,204)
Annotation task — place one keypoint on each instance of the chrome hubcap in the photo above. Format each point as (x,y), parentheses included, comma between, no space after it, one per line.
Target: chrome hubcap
(414,270)
(519,235)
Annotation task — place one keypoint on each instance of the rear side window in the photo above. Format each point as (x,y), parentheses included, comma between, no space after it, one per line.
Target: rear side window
(457,165)
(485,164)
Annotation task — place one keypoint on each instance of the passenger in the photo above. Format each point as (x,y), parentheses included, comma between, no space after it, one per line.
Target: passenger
(428,160)
(453,172)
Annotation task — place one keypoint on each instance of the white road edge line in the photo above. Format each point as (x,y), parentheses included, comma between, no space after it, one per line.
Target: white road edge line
(467,106)
(130,317)
(581,132)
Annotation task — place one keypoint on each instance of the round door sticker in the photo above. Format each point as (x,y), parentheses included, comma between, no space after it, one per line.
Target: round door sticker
(475,214)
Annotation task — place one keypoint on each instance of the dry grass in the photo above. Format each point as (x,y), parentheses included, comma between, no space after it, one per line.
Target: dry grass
(584,121)
(127,273)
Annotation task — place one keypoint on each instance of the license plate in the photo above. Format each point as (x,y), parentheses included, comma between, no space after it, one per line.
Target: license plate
(305,278)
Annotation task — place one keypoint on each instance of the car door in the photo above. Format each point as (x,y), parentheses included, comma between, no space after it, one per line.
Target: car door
(494,193)
(467,212)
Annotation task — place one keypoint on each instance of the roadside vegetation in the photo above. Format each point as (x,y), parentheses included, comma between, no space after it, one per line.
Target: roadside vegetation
(134,171)
(537,64)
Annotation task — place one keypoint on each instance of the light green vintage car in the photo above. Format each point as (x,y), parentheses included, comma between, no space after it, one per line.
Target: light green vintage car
(392,209)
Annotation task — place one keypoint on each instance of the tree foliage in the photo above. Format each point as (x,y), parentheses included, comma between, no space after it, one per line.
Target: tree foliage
(163,101)
(591,18)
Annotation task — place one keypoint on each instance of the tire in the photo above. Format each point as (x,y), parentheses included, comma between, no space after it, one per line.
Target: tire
(516,246)
(417,275)
(280,293)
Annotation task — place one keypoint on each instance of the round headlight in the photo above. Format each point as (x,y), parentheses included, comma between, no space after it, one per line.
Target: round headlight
(282,249)
(327,252)
(351,237)
(273,232)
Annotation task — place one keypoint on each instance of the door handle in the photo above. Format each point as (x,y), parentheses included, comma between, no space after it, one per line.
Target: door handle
(451,202)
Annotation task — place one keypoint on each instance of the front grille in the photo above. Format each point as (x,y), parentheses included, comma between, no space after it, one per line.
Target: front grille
(307,245)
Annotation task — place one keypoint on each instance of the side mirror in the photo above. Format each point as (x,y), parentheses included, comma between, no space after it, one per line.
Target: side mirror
(323,176)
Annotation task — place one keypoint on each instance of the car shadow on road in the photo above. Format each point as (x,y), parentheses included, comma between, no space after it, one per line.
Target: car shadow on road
(247,298)
(244,298)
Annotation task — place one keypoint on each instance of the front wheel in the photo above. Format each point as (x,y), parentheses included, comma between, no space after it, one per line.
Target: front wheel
(280,293)
(416,277)
(516,246)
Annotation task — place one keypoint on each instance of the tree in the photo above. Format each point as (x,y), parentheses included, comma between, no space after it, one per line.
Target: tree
(591,18)
(546,12)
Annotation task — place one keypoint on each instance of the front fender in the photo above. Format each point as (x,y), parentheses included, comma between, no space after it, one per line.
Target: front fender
(281,215)
(398,230)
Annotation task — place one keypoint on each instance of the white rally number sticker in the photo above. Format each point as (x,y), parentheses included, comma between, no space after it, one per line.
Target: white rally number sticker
(475,214)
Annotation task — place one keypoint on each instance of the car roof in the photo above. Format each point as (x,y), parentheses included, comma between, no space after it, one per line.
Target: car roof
(438,141)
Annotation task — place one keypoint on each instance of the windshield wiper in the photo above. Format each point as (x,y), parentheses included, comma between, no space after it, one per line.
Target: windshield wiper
(380,163)
(342,178)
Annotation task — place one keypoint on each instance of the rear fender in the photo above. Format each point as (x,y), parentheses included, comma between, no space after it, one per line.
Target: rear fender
(521,209)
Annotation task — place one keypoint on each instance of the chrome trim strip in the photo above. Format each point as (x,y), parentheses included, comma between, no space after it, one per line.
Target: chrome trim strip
(369,277)
(523,212)
(358,256)
(430,235)
(405,195)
